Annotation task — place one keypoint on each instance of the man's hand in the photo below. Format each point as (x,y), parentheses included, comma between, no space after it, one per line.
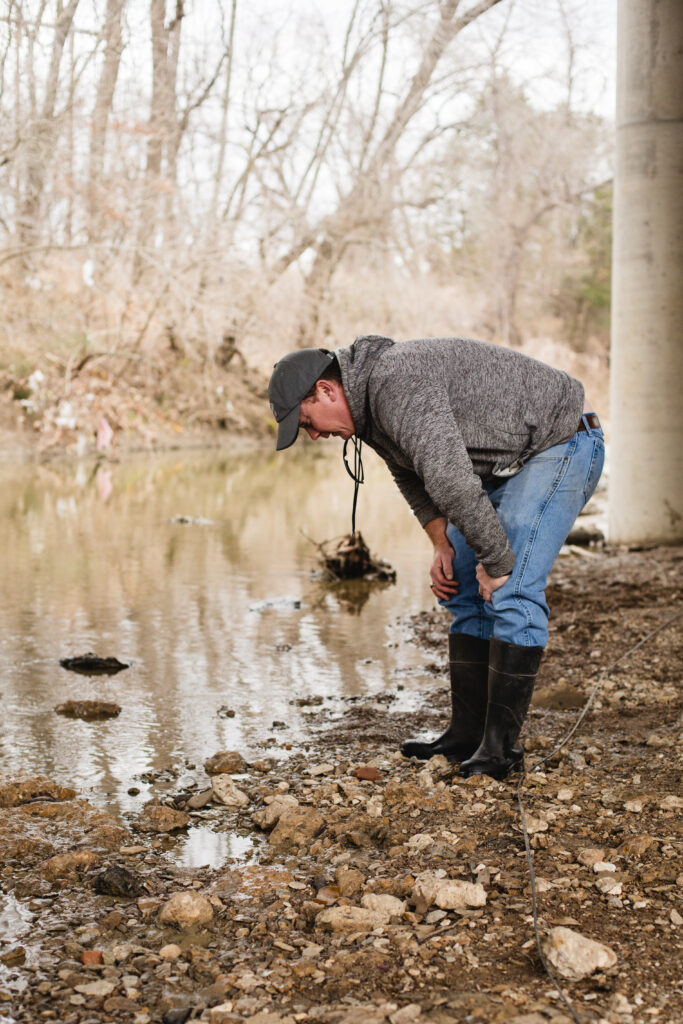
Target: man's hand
(441,572)
(487,584)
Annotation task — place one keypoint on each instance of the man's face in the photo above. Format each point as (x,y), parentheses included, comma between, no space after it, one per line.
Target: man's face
(326,414)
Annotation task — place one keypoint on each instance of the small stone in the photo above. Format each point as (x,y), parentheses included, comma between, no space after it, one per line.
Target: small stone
(91,957)
(601,866)
(16,955)
(118,881)
(221,1014)
(384,904)
(349,881)
(67,863)
(199,800)
(227,793)
(170,952)
(351,919)
(23,789)
(608,885)
(312,951)
(159,818)
(446,893)
(268,816)
(620,1004)
(574,956)
(186,910)
(634,806)
(591,856)
(367,772)
(535,825)
(320,769)
(671,803)
(88,710)
(676,918)
(565,794)
(225,762)
(296,827)
(99,989)
(132,851)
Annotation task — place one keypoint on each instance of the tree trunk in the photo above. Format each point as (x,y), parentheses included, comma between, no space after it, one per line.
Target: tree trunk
(43,133)
(102,109)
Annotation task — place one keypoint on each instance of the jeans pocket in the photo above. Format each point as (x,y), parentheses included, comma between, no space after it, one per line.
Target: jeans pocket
(595,468)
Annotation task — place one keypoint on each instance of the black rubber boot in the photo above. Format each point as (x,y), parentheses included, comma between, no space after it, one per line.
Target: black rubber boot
(468,659)
(512,674)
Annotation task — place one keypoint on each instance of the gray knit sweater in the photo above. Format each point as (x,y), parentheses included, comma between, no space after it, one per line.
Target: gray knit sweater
(447,413)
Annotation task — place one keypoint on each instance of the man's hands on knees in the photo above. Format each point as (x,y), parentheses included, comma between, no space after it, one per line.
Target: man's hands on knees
(443,583)
(487,584)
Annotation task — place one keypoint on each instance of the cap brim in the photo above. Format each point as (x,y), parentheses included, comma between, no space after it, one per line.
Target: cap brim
(287,429)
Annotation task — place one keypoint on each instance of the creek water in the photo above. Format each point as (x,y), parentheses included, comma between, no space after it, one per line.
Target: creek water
(221,614)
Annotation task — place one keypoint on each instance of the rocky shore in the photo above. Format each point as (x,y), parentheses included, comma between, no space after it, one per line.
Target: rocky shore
(382,889)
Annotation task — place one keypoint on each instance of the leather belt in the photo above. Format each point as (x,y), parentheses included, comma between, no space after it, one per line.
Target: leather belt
(590,418)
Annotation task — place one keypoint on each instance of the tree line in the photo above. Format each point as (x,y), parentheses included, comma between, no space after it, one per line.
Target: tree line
(205,172)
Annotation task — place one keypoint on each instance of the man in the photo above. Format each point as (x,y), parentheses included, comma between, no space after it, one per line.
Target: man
(494,455)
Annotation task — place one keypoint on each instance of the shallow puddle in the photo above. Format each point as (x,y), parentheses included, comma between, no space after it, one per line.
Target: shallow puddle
(231,637)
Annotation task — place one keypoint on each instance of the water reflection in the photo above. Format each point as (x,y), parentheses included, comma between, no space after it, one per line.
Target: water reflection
(224,613)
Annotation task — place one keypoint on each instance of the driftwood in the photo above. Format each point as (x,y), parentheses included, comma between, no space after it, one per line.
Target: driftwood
(350,559)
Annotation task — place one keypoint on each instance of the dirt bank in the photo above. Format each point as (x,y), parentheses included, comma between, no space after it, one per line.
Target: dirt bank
(381,889)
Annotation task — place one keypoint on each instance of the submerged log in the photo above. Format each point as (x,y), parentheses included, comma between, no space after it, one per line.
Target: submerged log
(350,559)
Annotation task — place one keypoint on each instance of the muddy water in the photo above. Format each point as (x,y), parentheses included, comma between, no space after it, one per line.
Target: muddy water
(216,617)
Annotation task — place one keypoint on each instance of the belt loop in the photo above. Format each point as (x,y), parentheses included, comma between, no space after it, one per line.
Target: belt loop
(588,426)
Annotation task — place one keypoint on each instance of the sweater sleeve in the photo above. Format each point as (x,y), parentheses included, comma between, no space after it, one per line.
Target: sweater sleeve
(412,489)
(425,430)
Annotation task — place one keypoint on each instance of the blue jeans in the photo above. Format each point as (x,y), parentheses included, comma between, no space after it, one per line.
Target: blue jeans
(537,508)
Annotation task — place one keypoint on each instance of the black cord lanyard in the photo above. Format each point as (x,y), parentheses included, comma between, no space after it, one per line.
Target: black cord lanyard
(357,474)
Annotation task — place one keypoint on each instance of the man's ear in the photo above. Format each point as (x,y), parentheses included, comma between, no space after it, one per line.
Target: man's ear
(326,389)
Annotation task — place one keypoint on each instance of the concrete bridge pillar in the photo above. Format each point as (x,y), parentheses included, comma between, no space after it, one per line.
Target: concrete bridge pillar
(646,386)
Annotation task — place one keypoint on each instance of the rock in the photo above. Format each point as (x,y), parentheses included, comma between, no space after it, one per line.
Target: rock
(91,665)
(91,957)
(199,800)
(603,866)
(676,918)
(269,816)
(227,793)
(118,881)
(384,904)
(225,762)
(608,885)
(170,952)
(349,881)
(446,893)
(99,989)
(670,803)
(351,919)
(620,1004)
(636,846)
(535,825)
(158,818)
(591,856)
(574,956)
(186,910)
(367,772)
(320,769)
(24,789)
(69,863)
(635,805)
(88,710)
(296,827)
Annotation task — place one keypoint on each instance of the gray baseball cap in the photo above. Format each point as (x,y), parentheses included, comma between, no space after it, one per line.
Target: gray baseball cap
(292,378)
